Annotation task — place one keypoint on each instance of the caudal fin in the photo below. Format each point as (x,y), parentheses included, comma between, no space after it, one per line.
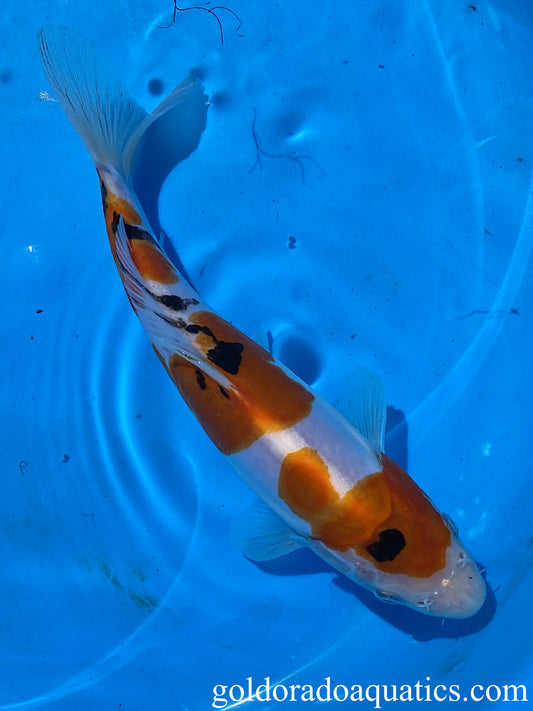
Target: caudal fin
(108,120)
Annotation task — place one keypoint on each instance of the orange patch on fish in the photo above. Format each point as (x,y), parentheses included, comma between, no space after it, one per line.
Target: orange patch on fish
(116,205)
(353,519)
(224,417)
(151,262)
(426,535)
(304,483)
(261,397)
(339,522)
(386,501)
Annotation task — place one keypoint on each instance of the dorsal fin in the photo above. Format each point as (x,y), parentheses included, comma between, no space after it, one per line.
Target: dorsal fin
(362,401)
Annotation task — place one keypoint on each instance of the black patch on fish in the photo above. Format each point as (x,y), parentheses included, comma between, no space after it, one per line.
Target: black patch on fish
(223,392)
(115,221)
(136,232)
(227,356)
(194,328)
(389,544)
(200,379)
(176,303)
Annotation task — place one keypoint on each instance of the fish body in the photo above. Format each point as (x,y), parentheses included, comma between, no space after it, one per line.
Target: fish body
(321,481)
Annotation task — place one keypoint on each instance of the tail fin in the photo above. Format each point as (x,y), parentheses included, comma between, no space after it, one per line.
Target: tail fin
(108,120)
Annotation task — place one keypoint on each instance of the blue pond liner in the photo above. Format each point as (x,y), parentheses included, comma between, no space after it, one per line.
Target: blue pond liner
(361,195)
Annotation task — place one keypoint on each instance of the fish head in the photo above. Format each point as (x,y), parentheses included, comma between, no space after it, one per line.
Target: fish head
(390,538)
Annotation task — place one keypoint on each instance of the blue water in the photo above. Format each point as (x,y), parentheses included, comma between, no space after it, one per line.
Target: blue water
(361,196)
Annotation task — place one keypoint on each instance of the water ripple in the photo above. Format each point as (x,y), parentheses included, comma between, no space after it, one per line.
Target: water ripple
(132,517)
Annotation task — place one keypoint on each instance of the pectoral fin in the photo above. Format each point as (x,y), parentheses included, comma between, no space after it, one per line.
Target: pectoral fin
(262,535)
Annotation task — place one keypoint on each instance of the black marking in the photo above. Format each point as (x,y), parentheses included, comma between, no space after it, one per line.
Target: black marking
(223,392)
(194,328)
(227,356)
(115,221)
(135,232)
(177,322)
(176,303)
(200,379)
(386,548)
(103,191)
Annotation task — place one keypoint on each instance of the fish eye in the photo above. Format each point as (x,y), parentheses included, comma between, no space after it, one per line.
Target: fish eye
(390,542)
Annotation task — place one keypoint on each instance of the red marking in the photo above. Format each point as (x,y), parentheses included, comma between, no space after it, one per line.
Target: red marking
(152,263)
(384,500)
(261,397)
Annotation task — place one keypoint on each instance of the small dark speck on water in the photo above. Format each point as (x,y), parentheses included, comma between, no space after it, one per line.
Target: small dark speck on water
(138,416)
(22,465)
(381,66)
(39,311)
(292,242)
(6,76)
(65,459)
(155,87)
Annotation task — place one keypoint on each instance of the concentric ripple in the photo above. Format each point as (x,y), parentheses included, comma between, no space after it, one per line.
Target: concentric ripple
(125,495)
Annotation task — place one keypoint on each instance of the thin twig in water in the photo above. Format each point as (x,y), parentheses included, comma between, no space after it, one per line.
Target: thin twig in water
(260,151)
(210,10)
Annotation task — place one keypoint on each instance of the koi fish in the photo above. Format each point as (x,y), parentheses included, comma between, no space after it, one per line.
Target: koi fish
(321,481)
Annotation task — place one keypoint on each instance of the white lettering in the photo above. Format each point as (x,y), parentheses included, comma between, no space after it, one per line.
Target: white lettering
(219,698)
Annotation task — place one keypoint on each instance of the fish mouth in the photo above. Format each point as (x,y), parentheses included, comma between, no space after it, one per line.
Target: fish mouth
(461,589)
(456,592)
